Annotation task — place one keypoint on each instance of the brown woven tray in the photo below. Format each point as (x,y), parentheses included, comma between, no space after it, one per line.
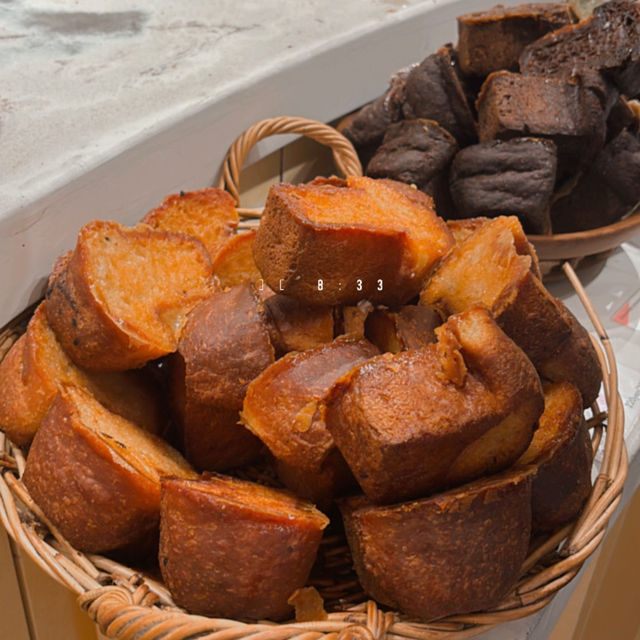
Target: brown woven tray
(128,605)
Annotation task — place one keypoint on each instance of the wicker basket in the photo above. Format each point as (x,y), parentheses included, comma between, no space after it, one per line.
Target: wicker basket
(127,605)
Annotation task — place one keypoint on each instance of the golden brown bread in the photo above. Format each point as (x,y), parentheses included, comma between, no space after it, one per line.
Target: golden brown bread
(234,263)
(96,476)
(297,326)
(208,214)
(333,241)
(283,405)
(36,366)
(407,327)
(421,420)
(454,552)
(225,344)
(494,267)
(561,454)
(235,549)
(123,296)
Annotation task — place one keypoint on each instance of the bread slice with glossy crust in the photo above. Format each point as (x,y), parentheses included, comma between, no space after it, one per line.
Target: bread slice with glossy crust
(561,454)
(96,476)
(416,422)
(123,296)
(36,366)
(207,214)
(453,552)
(234,263)
(235,549)
(224,346)
(333,241)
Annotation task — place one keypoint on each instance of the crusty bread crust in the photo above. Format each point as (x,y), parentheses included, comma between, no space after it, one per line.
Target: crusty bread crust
(419,421)
(207,214)
(234,549)
(120,300)
(407,327)
(464,548)
(101,491)
(234,263)
(224,346)
(332,242)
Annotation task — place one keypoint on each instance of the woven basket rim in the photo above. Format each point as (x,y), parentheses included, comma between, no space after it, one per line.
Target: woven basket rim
(129,606)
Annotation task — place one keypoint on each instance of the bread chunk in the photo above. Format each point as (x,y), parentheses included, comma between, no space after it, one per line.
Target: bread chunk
(464,547)
(563,110)
(234,263)
(434,91)
(208,214)
(607,191)
(97,476)
(283,406)
(421,420)
(494,39)
(36,366)
(608,40)
(296,326)
(511,177)
(224,346)
(332,242)
(416,152)
(562,455)
(494,267)
(407,327)
(235,549)
(123,296)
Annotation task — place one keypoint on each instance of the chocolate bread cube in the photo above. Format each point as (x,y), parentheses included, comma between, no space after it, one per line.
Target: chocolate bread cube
(512,177)
(415,152)
(608,189)
(609,40)
(433,90)
(492,40)
(566,111)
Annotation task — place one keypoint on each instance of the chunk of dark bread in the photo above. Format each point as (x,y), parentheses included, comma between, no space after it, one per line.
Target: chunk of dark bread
(224,346)
(96,476)
(283,405)
(351,318)
(561,454)
(433,90)
(464,547)
(412,423)
(208,214)
(36,366)
(297,326)
(235,549)
(494,39)
(609,40)
(494,267)
(575,360)
(607,190)
(511,177)
(234,263)
(335,241)
(123,296)
(564,110)
(415,152)
(407,327)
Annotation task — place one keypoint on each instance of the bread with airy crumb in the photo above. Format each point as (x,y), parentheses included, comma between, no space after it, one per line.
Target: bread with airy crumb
(224,346)
(235,549)
(453,552)
(338,242)
(422,420)
(96,476)
(36,366)
(123,296)
(207,214)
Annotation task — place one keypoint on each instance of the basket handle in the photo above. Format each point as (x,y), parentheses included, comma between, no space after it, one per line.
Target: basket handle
(344,155)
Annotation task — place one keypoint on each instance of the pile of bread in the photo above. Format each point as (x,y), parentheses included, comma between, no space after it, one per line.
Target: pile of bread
(533,113)
(409,379)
